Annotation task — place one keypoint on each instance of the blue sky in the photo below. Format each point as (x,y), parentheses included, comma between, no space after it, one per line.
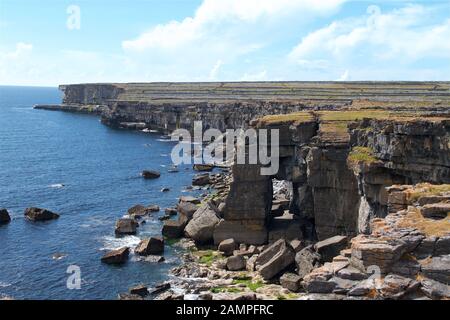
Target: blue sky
(222,40)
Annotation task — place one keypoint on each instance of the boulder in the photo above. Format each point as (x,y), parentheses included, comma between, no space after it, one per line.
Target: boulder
(442,246)
(227,246)
(276,258)
(118,256)
(150,174)
(4,216)
(363,288)
(201,179)
(129,297)
(203,167)
(140,290)
(351,273)
(190,199)
(236,263)
(170,295)
(290,281)
(160,287)
(395,286)
(331,247)
(342,286)
(306,260)
(37,214)
(201,227)
(171,211)
(317,280)
(319,286)
(245,297)
(435,210)
(368,251)
(172,229)
(407,267)
(140,210)
(186,210)
(126,226)
(150,246)
(437,268)
(434,289)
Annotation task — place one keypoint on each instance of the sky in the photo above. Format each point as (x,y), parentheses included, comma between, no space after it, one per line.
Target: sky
(51,42)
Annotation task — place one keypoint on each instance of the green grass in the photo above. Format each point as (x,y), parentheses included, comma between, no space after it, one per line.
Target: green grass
(249,283)
(288,296)
(362,154)
(225,289)
(208,256)
(297,117)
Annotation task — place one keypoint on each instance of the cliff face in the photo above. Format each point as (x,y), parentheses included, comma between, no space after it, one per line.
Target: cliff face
(340,167)
(342,144)
(90,94)
(402,151)
(222,105)
(169,117)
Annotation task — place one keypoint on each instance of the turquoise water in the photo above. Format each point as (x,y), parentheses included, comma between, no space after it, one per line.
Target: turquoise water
(99,168)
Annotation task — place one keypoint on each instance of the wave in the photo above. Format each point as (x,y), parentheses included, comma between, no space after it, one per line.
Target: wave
(57,185)
(113,243)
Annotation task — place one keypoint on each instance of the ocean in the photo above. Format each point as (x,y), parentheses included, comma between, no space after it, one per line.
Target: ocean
(89,174)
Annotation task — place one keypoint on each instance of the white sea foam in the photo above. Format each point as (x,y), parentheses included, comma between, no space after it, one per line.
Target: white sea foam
(146,130)
(113,243)
(4,284)
(57,185)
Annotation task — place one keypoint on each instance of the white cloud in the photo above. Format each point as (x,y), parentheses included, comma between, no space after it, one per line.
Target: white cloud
(345,76)
(215,70)
(215,18)
(21,51)
(406,34)
(16,63)
(256,40)
(228,31)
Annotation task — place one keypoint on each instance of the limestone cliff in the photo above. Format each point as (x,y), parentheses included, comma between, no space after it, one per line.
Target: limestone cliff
(341,143)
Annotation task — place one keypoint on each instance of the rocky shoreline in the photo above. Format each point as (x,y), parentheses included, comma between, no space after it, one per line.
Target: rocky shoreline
(358,209)
(406,256)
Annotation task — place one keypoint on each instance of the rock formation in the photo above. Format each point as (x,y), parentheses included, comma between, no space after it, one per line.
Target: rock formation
(37,214)
(4,216)
(361,190)
(118,256)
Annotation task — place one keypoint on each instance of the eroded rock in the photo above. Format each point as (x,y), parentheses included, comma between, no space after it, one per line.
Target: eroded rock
(275,259)
(126,226)
(150,246)
(118,256)
(150,174)
(201,227)
(38,214)
(4,216)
